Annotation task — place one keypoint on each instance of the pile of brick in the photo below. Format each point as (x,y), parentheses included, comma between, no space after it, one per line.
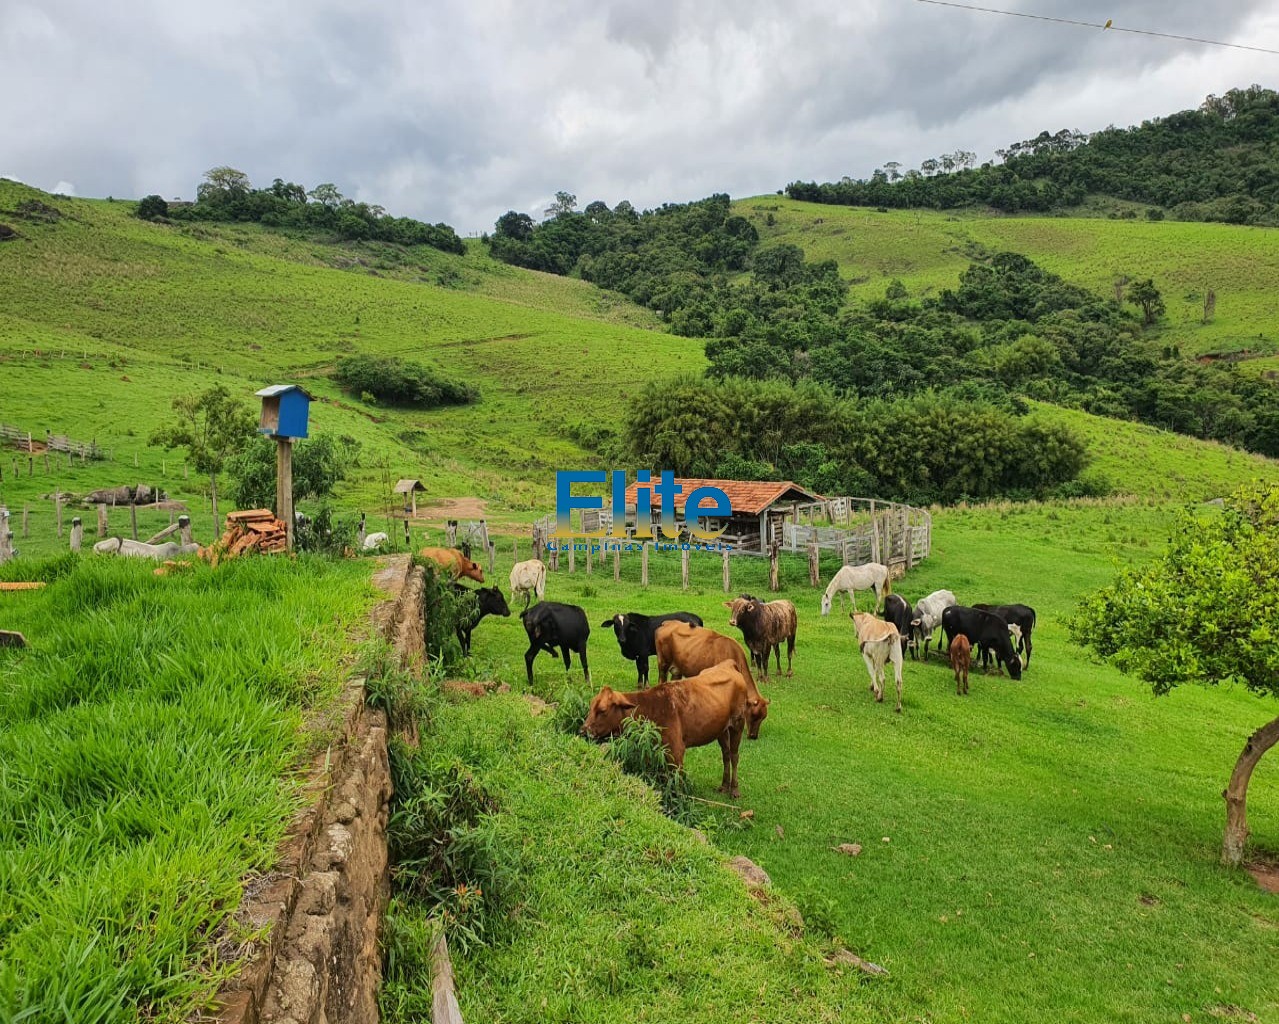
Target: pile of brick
(254,529)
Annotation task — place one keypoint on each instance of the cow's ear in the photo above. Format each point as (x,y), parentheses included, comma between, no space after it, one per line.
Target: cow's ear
(728,604)
(606,623)
(621,701)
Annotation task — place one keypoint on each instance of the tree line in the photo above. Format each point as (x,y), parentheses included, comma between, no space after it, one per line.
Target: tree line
(226,194)
(1219,162)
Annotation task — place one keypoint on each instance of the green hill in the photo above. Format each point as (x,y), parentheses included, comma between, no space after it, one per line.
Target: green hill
(104,318)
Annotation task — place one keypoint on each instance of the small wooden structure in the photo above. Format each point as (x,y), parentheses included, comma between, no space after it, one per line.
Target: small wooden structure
(760,508)
(285,412)
(409,488)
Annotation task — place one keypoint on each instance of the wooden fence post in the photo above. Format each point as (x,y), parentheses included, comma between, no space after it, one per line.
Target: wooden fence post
(644,565)
(814,570)
(102,520)
(572,555)
(774,579)
(408,537)
(133,519)
(874,534)
(683,567)
(539,543)
(77,534)
(728,573)
(26,529)
(910,547)
(6,538)
(484,533)
(590,555)
(184,528)
(450,533)
(57,507)
(492,546)
(617,563)
(555,556)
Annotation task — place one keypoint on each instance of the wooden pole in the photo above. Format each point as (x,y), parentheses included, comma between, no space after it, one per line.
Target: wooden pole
(617,563)
(572,555)
(555,557)
(683,568)
(26,529)
(6,538)
(102,520)
(728,573)
(408,537)
(774,577)
(492,548)
(57,507)
(133,519)
(814,572)
(77,534)
(450,533)
(284,488)
(184,529)
(644,565)
(484,534)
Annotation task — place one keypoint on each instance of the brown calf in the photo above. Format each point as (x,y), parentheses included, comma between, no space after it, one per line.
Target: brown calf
(453,562)
(961,658)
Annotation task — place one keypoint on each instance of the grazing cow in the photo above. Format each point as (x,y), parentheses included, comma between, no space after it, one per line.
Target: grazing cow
(454,563)
(549,625)
(529,580)
(880,643)
(961,659)
(487,601)
(927,618)
(897,611)
(707,707)
(687,650)
(852,578)
(373,541)
(1020,615)
(764,625)
(983,629)
(637,636)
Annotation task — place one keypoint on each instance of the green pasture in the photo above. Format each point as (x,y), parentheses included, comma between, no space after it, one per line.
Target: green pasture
(151,737)
(927,249)
(1037,850)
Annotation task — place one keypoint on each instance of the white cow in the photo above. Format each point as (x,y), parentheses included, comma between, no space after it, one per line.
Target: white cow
(880,642)
(374,541)
(528,578)
(852,578)
(928,617)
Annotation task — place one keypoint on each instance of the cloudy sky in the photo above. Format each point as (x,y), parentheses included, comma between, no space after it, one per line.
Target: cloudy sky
(458,111)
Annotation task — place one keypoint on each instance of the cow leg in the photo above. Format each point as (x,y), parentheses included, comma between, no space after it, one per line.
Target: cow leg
(1026,641)
(641,667)
(965,669)
(586,669)
(897,670)
(735,745)
(529,655)
(568,662)
(790,657)
(777,650)
(726,752)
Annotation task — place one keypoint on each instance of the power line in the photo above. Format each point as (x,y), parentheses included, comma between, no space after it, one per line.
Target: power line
(1109,25)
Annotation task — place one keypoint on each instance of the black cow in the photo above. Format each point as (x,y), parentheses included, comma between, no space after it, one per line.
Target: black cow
(897,610)
(488,601)
(984,630)
(1020,615)
(635,636)
(549,625)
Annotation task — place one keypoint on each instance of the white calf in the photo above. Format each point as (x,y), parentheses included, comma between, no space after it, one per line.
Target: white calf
(880,642)
(528,578)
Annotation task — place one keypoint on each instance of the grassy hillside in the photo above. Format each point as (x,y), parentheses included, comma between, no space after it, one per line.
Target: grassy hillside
(926,250)
(126,313)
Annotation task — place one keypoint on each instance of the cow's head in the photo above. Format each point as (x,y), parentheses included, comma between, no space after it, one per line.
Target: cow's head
(736,606)
(609,709)
(471,570)
(491,601)
(756,712)
(1013,662)
(617,624)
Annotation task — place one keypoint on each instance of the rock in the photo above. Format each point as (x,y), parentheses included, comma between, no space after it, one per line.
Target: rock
(751,873)
(461,686)
(852,849)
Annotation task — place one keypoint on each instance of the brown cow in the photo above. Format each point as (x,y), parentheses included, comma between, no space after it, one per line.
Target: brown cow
(689,650)
(456,564)
(693,712)
(961,658)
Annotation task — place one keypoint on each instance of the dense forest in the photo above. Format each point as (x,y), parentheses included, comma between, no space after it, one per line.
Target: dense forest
(1217,163)
(226,194)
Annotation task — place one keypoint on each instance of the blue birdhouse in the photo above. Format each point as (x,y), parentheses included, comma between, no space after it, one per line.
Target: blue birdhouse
(285,408)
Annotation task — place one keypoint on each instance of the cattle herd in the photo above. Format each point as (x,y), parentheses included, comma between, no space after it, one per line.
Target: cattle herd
(706,690)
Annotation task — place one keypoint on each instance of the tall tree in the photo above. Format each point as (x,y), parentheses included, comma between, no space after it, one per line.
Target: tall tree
(565,203)
(1207,612)
(222,184)
(212,426)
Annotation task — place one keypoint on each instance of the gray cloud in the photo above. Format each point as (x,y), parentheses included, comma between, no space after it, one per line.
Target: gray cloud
(457,111)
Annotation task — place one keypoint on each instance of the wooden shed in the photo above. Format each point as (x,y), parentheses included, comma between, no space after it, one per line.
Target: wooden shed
(285,410)
(409,489)
(760,507)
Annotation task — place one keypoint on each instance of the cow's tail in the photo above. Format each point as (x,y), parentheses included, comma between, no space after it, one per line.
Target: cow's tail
(888,582)
(541,584)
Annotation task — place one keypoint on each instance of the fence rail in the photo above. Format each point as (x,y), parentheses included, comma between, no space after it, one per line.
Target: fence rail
(51,442)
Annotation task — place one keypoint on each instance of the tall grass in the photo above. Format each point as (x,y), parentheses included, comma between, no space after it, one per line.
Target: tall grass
(148,748)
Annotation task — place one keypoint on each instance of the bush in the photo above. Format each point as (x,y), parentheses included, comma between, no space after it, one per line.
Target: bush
(152,207)
(399,382)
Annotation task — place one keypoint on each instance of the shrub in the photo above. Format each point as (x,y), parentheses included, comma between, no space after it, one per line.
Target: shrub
(152,207)
(399,382)
(638,750)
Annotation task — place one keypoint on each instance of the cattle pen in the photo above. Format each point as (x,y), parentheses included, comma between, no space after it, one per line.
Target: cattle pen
(853,530)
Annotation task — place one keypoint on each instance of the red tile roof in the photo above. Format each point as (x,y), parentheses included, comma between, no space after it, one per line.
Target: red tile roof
(748,497)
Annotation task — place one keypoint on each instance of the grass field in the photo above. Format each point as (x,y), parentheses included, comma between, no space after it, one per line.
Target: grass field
(926,250)
(1043,849)
(148,752)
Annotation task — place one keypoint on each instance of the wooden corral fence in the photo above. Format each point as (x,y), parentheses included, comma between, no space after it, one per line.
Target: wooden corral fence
(856,530)
(51,443)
